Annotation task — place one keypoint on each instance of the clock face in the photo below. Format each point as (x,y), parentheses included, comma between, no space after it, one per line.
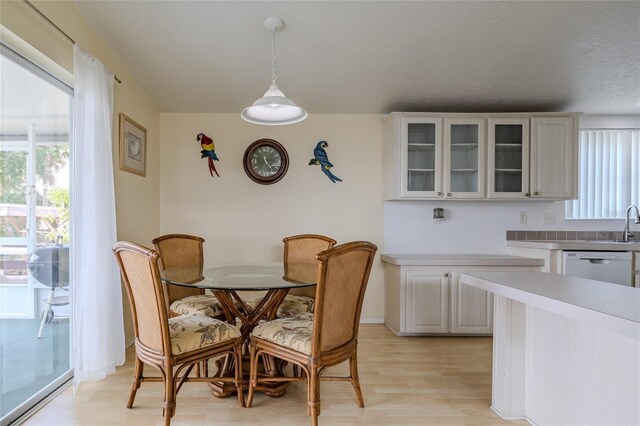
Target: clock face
(266,161)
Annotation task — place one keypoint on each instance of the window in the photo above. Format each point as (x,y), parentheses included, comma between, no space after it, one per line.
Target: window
(35,338)
(609,174)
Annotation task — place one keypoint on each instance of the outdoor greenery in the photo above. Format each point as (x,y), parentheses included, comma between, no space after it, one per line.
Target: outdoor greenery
(59,232)
(49,161)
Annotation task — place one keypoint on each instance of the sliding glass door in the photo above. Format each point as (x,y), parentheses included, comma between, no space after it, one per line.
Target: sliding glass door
(34,235)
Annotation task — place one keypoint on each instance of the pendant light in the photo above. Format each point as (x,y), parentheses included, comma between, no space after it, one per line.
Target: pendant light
(274,108)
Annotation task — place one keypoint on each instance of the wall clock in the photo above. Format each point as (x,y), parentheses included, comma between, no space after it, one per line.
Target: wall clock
(265,161)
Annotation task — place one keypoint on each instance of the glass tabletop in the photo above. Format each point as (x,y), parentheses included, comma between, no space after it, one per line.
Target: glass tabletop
(250,277)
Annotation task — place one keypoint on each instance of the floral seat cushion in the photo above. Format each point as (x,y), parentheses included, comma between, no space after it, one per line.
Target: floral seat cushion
(293,332)
(290,306)
(204,304)
(191,332)
(295,305)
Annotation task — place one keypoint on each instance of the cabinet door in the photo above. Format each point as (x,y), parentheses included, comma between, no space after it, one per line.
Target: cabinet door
(636,268)
(426,302)
(508,158)
(471,309)
(421,157)
(464,150)
(552,157)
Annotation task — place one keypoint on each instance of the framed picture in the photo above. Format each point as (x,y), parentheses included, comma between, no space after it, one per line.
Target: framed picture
(133,146)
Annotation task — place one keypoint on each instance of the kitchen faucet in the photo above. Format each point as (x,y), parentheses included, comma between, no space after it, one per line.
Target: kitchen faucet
(627,233)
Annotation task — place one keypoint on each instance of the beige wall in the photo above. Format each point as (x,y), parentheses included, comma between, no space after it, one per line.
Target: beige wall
(243,221)
(137,198)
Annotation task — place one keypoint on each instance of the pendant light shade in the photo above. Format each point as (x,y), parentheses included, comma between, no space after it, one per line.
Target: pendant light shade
(274,108)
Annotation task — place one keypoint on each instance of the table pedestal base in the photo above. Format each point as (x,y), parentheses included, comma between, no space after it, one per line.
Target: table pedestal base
(226,389)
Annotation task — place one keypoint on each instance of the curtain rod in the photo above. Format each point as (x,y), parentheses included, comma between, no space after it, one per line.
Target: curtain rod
(68,37)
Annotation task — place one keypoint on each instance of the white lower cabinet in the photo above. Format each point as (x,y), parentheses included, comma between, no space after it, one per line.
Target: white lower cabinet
(431,300)
(426,301)
(471,308)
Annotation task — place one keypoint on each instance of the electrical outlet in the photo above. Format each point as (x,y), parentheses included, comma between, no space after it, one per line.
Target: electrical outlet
(522,218)
(549,218)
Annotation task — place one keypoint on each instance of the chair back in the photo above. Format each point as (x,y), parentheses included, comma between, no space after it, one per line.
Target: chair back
(181,251)
(302,249)
(342,281)
(141,276)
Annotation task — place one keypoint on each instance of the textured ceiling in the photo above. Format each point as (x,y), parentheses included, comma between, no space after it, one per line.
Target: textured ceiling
(381,56)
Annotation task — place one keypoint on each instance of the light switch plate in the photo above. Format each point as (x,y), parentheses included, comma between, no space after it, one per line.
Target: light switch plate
(522,218)
(549,218)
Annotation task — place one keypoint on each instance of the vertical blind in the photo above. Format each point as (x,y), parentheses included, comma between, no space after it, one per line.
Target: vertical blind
(609,174)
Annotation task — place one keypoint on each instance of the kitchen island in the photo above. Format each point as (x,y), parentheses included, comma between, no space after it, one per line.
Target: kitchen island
(566,350)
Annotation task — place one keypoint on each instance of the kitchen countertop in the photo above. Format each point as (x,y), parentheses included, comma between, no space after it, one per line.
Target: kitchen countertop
(614,306)
(459,260)
(576,245)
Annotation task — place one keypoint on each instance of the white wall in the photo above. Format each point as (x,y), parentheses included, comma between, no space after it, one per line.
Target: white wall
(243,221)
(474,226)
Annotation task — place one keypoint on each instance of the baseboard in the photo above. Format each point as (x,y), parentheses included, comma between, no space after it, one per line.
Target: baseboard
(129,342)
(371,320)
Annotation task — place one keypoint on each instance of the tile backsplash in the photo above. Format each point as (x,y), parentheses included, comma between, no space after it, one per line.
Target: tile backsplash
(563,235)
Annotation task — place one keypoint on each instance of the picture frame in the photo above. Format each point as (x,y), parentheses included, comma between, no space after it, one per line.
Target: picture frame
(133,146)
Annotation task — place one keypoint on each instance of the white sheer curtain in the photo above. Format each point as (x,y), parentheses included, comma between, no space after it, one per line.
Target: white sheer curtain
(609,174)
(98,332)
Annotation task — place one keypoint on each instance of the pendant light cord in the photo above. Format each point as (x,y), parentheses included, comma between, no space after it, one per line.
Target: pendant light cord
(273,61)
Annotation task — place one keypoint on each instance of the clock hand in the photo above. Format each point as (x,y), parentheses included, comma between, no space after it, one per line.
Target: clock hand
(267,163)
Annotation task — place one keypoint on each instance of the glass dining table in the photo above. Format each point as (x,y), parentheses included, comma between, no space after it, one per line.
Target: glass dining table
(228,284)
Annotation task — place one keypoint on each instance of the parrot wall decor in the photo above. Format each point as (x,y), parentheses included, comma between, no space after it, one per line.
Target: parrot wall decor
(320,158)
(208,151)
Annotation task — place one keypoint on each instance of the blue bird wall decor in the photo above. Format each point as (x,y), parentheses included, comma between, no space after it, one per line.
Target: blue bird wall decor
(320,158)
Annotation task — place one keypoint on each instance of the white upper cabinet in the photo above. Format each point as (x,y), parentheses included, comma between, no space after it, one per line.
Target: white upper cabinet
(554,153)
(481,156)
(508,159)
(464,150)
(420,157)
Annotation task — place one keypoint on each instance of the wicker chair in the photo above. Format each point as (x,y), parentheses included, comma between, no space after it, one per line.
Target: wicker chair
(301,248)
(181,250)
(172,345)
(327,337)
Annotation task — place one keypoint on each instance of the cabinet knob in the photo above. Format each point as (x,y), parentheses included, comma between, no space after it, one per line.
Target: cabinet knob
(526,194)
(446,275)
(535,193)
(448,194)
(439,194)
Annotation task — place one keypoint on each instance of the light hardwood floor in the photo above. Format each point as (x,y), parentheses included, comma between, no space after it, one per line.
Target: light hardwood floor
(405,381)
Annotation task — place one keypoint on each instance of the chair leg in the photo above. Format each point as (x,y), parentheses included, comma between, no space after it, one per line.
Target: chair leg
(138,368)
(313,399)
(355,380)
(46,312)
(253,372)
(202,369)
(169,405)
(239,375)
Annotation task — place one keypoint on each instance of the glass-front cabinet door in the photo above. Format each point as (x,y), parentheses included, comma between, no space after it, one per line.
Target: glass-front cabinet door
(464,150)
(508,158)
(421,157)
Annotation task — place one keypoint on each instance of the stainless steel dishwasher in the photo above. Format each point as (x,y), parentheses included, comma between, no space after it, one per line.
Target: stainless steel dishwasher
(610,266)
